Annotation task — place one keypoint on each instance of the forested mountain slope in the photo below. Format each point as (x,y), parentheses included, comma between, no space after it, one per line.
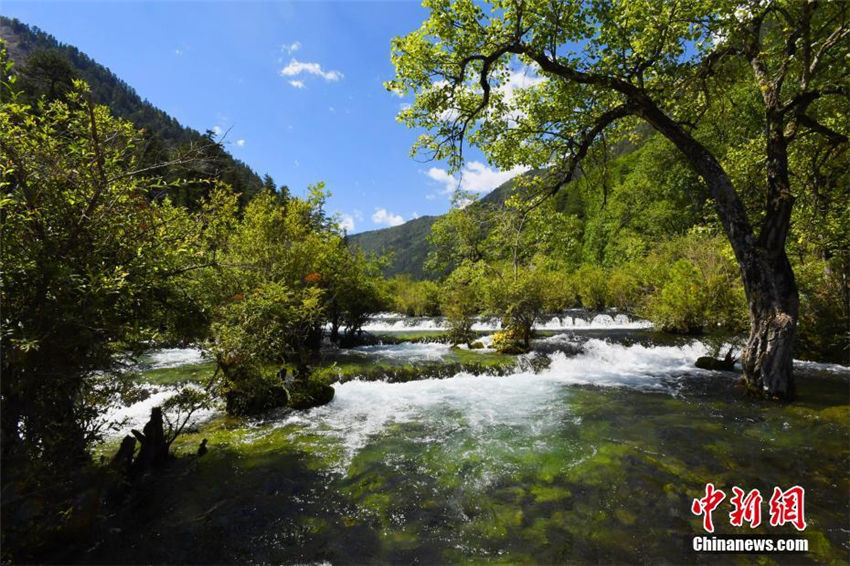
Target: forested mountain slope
(408,242)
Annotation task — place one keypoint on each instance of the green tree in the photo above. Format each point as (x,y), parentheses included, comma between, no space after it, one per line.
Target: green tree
(91,268)
(602,65)
(460,300)
(283,271)
(518,299)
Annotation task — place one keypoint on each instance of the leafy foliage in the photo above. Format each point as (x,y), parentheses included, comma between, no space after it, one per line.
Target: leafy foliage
(95,268)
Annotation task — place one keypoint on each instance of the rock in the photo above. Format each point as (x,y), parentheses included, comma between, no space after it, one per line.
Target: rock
(476,346)
(255,401)
(717,364)
(123,459)
(154,449)
(308,394)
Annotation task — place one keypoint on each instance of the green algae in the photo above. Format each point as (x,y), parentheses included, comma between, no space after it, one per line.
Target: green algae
(542,494)
(345,367)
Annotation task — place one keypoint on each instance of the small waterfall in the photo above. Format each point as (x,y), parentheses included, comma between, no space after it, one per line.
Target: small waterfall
(575,319)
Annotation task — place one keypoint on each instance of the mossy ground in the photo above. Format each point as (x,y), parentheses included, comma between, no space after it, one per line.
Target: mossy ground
(344,366)
(197,373)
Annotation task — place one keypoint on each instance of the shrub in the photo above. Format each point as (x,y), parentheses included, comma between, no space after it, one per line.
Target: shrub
(558,292)
(823,311)
(680,306)
(624,288)
(459,300)
(415,298)
(591,282)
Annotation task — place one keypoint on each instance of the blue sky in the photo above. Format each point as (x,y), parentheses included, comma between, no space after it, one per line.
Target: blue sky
(297,86)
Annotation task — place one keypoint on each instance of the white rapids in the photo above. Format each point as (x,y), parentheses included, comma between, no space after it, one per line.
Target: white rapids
(525,400)
(389,322)
(173,357)
(530,401)
(119,419)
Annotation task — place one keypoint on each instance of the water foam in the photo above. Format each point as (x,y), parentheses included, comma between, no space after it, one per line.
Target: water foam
(412,351)
(389,322)
(823,367)
(173,357)
(361,410)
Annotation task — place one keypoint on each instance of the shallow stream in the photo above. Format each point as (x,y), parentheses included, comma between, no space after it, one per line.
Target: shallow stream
(593,456)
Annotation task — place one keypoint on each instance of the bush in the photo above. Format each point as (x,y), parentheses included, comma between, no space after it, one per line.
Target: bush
(506,342)
(591,282)
(459,300)
(415,298)
(518,299)
(559,292)
(680,306)
(824,316)
(262,330)
(624,288)
(718,294)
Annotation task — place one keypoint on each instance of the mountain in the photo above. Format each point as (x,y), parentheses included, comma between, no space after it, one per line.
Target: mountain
(408,242)
(47,66)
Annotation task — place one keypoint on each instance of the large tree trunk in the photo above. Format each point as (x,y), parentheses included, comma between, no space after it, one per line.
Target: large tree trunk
(765,270)
(768,278)
(774,304)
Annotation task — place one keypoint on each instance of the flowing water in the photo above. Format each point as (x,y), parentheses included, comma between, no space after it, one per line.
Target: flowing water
(594,456)
(569,320)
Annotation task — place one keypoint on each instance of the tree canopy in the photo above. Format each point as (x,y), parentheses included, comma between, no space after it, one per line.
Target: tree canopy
(545,84)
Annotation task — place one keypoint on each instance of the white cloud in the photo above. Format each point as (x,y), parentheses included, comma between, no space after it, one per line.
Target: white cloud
(240,143)
(414,214)
(291,48)
(519,79)
(358,214)
(296,67)
(297,84)
(464,202)
(475,177)
(217,130)
(382,216)
(178,52)
(346,222)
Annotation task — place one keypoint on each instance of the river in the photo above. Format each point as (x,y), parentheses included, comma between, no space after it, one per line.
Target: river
(591,450)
